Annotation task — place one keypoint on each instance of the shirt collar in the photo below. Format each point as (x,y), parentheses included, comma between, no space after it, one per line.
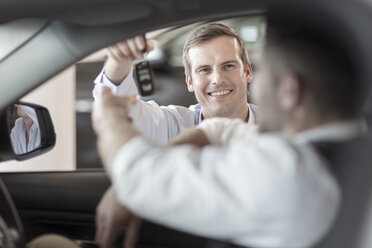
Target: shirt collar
(335,131)
(251,118)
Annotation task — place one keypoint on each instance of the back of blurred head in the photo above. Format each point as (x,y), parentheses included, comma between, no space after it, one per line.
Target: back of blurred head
(306,78)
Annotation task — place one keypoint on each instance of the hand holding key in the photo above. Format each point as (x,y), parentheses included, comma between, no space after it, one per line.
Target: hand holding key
(122,56)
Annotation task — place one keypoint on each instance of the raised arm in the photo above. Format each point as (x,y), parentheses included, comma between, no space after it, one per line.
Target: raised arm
(157,123)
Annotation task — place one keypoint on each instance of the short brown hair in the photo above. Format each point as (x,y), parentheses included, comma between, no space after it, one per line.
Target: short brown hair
(209,32)
(323,63)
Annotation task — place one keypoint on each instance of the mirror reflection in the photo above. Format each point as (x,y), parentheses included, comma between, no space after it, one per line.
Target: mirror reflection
(24,126)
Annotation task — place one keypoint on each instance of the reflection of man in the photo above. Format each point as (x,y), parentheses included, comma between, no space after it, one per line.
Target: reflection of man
(274,189)
(217,70)
(25,134)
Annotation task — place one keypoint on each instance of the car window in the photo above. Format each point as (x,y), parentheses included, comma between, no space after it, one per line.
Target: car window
(70,101)
(75,148)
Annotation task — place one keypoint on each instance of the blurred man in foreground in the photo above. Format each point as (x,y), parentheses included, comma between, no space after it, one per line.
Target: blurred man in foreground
(274,189)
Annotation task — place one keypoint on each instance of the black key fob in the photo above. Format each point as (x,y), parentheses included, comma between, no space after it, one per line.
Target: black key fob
(143,76)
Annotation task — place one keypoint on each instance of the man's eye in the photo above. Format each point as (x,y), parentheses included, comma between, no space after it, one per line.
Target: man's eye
(204,70)
(228,67)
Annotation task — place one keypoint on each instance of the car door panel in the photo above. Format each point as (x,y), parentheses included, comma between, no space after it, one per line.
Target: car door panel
(65,203)
(59,202)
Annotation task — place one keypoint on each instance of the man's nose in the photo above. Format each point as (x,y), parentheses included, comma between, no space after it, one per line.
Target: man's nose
(217,76)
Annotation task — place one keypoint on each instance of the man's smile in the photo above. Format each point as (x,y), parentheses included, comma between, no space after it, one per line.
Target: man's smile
(220,93)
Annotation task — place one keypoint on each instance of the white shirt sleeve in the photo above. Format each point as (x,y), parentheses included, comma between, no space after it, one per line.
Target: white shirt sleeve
(220,131)
(18,137)
(158,123)
(125,88)
(263,192)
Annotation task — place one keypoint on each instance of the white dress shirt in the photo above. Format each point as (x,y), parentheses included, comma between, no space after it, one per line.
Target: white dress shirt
(257,190)
(159,123)
(18,133)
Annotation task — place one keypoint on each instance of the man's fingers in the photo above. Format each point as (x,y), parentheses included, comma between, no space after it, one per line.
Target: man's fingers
(109,109)
(132,233)
(110,99)
(132,99)
(122,51)
(141,43)
(109,237)
(98,234)
(100,218)
(105,90)
(109,230)
(135,50)
(114,53)
(131,49)
(107,102)
(126,50)
(127,102)
(150,45)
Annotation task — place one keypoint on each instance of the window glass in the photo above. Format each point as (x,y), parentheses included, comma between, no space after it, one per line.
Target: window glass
(68,96)
(166,62)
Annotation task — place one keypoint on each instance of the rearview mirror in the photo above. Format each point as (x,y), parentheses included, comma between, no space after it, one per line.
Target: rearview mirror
(26,131)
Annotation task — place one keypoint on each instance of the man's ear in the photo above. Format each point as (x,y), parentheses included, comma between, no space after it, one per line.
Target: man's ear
(189,83)
(248,73)
(290,92)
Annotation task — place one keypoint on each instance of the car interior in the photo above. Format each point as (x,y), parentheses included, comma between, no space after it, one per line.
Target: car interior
(59,34)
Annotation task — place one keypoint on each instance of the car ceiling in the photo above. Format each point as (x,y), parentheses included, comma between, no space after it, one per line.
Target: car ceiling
(106,12)
(77,28)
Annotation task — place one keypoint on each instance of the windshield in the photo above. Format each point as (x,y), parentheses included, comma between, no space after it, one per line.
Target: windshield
(15,34)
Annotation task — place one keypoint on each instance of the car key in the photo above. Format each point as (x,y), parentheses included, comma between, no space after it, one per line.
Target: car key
(143,75)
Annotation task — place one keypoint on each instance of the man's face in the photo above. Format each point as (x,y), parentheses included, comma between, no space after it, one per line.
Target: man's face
(218,77)
(265,94)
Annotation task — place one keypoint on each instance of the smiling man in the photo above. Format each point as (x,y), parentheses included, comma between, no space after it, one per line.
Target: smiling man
(218,79)
(217,70)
